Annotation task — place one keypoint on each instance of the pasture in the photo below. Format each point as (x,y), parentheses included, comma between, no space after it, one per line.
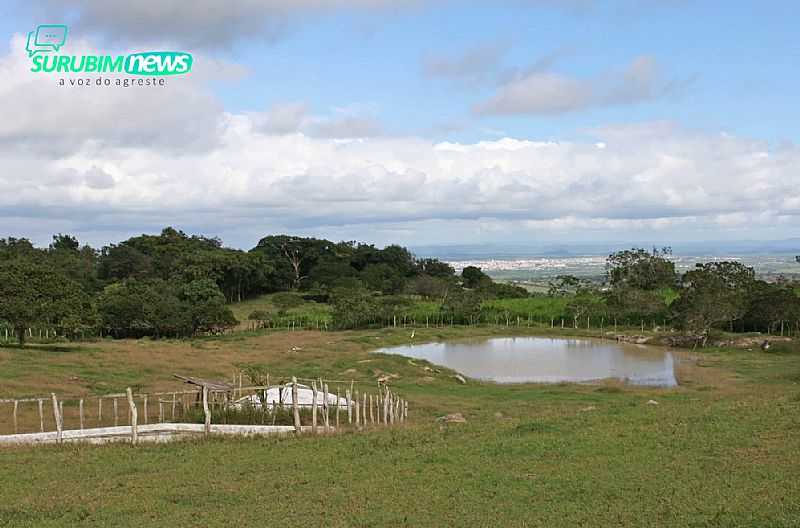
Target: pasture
(720,450)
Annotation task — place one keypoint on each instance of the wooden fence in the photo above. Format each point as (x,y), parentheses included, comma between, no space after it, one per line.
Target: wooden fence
(351,409)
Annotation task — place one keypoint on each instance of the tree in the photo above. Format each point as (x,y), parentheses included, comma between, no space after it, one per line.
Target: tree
(713,293)
(463,306)
(383,278)
(78,263)
(587,302)
(293,256)
(36,294)
(473,277)
(11,248)
(566,285)
(633,304)
(770,305)
(430,287)
(352,307)
(206,306)
(435,268)
(637,268)
(64,243)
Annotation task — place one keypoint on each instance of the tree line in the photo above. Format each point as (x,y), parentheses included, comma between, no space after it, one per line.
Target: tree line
(644,285)
(174,285)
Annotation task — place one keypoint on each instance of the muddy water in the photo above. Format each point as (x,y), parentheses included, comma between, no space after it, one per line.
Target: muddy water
(549,360)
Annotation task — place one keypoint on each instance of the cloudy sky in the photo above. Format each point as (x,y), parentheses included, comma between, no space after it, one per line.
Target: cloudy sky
(411,121)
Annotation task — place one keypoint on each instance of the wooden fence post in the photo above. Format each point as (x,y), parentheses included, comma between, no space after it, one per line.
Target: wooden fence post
(371,414)
(134,417)
(358,420)
(405,411)
(386,407)
(41,415)
(116,415)
(364,409)
(57,418)
(174,401)
(16,405)
(348,395)
(206,411)
(325,408)
(314,407)
(144,404)
(337,408)
(80,412)
(295,406)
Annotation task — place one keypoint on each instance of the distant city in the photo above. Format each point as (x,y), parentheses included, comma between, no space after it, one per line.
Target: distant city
(537,264)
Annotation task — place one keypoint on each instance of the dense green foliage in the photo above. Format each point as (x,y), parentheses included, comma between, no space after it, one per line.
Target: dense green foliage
(174,284)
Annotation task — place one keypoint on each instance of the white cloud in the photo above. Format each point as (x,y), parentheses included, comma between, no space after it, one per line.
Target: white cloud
(126,160)
(41,116)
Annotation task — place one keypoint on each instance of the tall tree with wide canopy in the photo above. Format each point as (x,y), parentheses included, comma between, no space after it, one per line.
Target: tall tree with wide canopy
(713,293)
(640,269)
(292,256)
(33,293)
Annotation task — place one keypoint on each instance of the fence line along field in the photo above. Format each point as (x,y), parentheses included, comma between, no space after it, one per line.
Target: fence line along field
(548,454)
(222,408)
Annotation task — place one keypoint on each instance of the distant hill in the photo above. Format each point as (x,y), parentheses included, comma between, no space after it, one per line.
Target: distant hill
(549,249)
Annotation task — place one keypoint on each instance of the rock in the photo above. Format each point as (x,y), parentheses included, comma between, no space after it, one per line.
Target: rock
(652,402)
(589,408)
(460,379)
(452,418)
(635,339)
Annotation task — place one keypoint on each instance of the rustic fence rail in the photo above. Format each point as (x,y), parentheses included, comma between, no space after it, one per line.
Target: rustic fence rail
(349,405)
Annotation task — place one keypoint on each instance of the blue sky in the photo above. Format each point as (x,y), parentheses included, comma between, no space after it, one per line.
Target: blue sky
(738,63)
(512,121)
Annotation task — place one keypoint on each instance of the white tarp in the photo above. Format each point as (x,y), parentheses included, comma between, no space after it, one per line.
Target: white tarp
(305,397)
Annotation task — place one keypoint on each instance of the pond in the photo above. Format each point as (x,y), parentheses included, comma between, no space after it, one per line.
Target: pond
(549,360)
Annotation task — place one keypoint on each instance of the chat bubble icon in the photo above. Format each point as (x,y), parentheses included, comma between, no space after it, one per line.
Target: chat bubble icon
(46,38)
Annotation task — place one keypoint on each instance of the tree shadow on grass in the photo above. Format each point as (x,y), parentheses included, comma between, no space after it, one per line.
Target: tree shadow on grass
(37,347)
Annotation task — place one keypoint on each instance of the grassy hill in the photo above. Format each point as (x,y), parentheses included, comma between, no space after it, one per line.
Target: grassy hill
(720,450)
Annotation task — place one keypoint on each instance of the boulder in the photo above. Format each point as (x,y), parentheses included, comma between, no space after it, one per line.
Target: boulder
(452,418)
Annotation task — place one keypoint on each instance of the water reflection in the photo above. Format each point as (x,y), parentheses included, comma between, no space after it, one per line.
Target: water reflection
(549,360)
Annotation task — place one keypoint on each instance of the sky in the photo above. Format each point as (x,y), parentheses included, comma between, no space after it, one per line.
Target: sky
(418,122)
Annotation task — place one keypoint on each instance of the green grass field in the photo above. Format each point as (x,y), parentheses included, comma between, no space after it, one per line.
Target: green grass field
(720,450)
(307,311)
(538,308)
